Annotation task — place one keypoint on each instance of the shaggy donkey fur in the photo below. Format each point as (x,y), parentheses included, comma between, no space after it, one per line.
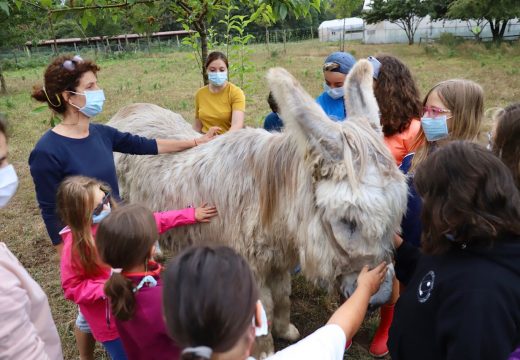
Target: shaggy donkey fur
(323,194)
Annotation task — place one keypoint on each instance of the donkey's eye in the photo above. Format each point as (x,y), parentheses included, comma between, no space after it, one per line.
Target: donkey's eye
(350,224)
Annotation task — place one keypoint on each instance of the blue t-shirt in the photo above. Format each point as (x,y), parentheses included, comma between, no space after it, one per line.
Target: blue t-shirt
(334,108)
(56,157)
(273,122)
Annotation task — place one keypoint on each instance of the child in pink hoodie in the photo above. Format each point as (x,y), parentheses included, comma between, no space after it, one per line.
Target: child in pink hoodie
(126,241)
(83,202)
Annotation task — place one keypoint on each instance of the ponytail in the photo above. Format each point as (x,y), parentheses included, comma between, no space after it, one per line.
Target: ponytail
(120,291)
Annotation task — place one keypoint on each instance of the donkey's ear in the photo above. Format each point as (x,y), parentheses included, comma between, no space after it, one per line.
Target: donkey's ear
(359,94)
(303,117)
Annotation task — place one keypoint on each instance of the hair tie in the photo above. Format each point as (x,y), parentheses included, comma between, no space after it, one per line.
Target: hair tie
(49,100)
(115,271)
(148,279)
(201,351)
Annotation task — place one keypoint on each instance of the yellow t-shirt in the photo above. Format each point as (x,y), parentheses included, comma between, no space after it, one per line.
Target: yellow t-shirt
(214,109)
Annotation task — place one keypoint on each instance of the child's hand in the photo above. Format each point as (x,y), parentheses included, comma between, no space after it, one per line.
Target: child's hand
(398,241)
(372,279)
(204,213)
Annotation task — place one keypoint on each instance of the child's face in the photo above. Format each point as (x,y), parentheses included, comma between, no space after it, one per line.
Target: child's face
(98,199)
(334,79)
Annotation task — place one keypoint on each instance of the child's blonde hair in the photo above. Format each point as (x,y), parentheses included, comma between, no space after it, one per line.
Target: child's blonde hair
(465,100)
(75,203)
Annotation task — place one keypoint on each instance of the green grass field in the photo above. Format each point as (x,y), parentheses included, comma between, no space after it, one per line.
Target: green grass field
(170,80)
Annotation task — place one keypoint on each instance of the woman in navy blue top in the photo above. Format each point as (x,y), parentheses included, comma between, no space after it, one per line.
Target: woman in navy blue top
(76,146)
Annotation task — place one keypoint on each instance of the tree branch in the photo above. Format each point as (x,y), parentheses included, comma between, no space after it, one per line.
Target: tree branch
(99,7)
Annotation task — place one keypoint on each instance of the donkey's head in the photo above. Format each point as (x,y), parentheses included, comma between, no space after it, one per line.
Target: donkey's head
(359,194)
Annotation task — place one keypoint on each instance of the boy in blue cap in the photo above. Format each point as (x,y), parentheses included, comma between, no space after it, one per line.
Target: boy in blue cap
(335,69)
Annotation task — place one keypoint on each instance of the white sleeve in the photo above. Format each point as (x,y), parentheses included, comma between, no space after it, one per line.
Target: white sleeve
(326,343)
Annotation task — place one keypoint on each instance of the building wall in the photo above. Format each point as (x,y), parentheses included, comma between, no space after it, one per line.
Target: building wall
(385,32)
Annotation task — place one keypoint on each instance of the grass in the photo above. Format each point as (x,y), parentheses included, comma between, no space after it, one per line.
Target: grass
(170,80)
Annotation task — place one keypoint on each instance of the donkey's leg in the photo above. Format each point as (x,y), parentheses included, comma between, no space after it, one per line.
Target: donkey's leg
(264,344)
(280,284)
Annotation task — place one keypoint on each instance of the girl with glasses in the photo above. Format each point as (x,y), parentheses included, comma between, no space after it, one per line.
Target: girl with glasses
(82,204)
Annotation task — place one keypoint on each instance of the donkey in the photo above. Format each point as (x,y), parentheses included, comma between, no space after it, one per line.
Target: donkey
(321,194)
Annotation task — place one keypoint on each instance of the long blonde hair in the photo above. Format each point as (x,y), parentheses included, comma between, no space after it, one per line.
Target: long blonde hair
(75,202)
(465,100)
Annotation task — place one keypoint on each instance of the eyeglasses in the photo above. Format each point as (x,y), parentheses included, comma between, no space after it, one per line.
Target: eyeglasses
(434,110)
(105,201)
(330,66)
(71,64)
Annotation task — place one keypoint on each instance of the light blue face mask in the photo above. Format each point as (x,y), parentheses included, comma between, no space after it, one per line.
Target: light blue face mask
(96,219)
(94,100)
(217,78)
(334,93)
(435,128)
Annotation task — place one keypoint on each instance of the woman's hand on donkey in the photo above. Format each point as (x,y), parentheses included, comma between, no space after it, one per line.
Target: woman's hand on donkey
(372,279)
(204,213)
(212,132)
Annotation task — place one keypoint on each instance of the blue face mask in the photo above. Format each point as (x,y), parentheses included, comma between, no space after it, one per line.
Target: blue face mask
(217,78)
(435,128)
(334,93)
(96,219)
(94,100)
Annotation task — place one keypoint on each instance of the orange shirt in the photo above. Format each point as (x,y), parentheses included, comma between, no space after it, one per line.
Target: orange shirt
(401,144)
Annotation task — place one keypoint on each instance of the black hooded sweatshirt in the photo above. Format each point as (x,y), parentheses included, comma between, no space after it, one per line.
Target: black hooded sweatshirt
(464,304)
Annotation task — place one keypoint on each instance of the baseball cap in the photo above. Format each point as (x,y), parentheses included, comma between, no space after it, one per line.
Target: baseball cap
(344,62)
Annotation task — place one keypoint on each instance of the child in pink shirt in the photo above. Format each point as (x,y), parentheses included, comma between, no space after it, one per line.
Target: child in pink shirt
(125,240)
(83,202)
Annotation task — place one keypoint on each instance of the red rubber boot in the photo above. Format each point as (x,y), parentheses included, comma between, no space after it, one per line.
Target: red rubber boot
(378,346)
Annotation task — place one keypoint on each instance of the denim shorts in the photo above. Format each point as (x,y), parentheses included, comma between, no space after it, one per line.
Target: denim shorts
(82,324)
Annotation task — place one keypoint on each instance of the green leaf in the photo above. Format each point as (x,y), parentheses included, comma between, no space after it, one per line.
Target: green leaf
(4,6)
(46,3)
(282,11)
(39,109)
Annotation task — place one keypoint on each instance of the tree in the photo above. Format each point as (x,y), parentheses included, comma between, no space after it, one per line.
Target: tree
(407,14)
(496,12)
(345,9)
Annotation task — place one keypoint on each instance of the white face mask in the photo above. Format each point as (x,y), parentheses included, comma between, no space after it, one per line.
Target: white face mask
(8,184)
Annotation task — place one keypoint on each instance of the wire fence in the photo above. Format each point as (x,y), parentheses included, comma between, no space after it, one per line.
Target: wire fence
(33,55)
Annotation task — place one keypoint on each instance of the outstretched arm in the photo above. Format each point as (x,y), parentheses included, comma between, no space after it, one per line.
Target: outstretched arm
(350,315)
(171,145)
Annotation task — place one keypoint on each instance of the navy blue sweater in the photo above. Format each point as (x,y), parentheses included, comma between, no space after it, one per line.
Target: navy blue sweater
(56,157)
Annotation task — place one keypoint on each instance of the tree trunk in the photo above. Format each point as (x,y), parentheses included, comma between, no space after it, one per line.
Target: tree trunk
(495,29)
(267,39)
(201,29)
(3,86)
(503,29)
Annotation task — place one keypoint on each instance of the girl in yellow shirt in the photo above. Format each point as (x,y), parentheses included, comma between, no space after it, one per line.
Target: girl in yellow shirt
(220,103)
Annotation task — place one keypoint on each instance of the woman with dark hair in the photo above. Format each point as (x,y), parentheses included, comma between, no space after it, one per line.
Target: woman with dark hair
(221,103)
(505,139)
(27,331)
(400,105)
(76,146)
(461,301)
(212,310)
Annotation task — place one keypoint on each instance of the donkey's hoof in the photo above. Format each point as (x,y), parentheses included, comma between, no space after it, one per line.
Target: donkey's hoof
(291,333)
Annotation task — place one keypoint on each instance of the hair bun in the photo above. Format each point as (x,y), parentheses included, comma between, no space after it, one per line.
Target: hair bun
(38,93)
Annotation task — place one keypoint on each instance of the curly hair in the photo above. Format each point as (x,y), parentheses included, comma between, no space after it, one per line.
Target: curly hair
(58,78)
(397,95)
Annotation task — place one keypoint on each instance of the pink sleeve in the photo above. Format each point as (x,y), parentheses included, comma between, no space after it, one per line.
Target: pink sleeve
(76,286)
(169,219)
